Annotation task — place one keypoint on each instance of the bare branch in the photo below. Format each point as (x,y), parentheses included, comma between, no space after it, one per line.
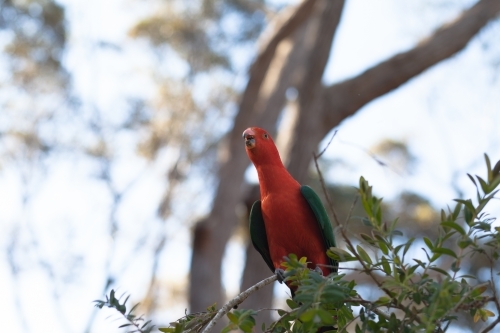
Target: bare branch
(343,99)
(238,300)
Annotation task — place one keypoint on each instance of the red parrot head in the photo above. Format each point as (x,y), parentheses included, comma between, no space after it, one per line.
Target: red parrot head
(260,146)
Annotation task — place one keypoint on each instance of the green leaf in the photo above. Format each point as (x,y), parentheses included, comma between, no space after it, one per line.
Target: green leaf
(383,300)
(443,215)
(454,226)
(340,255)
(325,316)
(495,182)
(232,318)
(417,298)
(383,247)
(472,179)
(281,313)
(292,304)
(362,253)
(397,233)
(488,166)
(468,215)
(467,203)
(482,226)
(367,238)
(407,246)
(420,263)
(397,248)
(412,269)
(386,266)
(442,271)
(443,250)
(478,291)
(456,211)
(308,315)
(378,213)
(484,185)
(428,243)
(366,222)
(463,243)
(496,169)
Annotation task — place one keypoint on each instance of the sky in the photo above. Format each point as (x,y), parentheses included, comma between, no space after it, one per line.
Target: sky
(449,116)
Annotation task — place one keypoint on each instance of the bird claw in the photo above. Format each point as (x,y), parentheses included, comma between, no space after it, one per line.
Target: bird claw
(280,274)
(318,270)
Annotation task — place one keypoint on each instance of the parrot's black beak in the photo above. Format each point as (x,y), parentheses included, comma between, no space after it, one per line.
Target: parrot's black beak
(249,137)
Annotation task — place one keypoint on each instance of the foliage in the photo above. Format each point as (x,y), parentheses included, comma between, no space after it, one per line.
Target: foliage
(138,324)
(191,323)
(419,294)
(195,33)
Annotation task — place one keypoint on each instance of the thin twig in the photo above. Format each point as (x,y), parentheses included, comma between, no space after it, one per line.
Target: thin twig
(323,186)
(328,144)
(351,209)
(237,300)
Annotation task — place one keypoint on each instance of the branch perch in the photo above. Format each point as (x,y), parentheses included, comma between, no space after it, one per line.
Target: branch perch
(237,300)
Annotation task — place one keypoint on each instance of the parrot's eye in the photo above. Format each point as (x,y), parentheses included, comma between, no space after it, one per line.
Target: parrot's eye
(266,136)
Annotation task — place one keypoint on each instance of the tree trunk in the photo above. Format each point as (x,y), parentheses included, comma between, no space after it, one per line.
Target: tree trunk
(318,30)
(212,234)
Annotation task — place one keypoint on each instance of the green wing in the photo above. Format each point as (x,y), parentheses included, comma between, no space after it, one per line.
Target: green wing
(321,217)
(258,234)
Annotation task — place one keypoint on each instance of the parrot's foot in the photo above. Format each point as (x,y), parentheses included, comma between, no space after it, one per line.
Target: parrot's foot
(280,274)
(318,270)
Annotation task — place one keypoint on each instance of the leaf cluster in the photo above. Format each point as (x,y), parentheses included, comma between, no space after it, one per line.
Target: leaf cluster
(135,323)
(426,293)
(193,322)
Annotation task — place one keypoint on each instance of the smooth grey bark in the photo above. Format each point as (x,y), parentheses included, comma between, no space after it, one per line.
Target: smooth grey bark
(306,135)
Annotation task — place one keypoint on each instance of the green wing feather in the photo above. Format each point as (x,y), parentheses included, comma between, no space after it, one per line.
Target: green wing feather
(258,234)
(322,218)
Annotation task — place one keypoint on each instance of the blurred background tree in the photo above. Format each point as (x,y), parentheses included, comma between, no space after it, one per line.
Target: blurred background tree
(121,153)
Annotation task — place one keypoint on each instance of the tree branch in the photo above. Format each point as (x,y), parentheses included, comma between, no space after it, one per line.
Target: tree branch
(237,300)
(343,99)
(319,36)
(260,66)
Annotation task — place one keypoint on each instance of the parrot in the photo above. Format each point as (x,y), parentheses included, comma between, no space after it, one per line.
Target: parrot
(288,218)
